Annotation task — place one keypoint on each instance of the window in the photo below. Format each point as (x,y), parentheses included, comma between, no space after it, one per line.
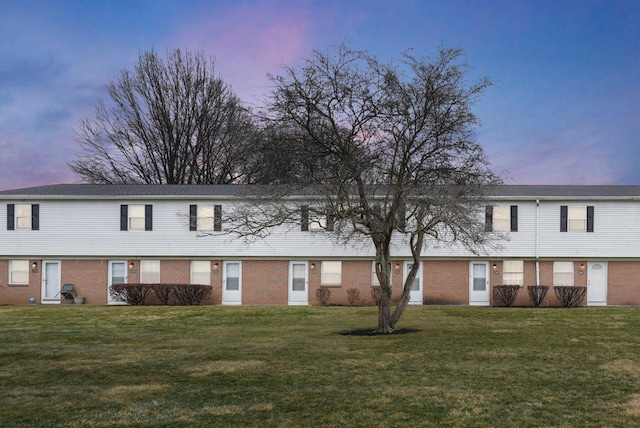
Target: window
(374,276)
(136,217)
(576,218)
(19,272)
(513,272)
(200,272)
(315,220)
(207,218)
(563,273)
(150,271)
(23,216)
(331,273)
(501,218)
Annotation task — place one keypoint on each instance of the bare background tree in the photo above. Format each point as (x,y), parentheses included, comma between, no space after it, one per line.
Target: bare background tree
(386,151)
(172,122)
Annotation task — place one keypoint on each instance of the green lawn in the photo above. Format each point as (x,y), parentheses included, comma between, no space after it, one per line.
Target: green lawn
(288,366)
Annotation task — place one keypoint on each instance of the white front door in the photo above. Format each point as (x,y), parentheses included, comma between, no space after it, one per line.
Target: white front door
(597,284)
(479,284)
(50,281)
(415,295)
(232,283)
(117,275)
(298,283)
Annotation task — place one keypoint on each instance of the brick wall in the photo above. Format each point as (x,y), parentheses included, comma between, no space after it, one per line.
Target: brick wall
(265,282)
(624,283)
(446,282)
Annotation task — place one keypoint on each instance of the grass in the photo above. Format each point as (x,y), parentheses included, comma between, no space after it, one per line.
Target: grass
(288,366)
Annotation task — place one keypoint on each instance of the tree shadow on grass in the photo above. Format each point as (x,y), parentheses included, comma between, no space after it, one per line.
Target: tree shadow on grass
(371,332)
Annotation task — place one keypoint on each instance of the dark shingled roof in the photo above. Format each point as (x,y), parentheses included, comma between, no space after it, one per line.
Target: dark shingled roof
(231,190)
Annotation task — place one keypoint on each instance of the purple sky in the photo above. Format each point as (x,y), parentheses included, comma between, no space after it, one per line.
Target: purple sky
(564,108)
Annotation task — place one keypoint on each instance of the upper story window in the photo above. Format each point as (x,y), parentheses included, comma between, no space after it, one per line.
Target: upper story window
(19,272)
(315,220)
(205,217)
(331,273)
(23,216)
(576,218)
(136,217)
(501,218)
(150,271)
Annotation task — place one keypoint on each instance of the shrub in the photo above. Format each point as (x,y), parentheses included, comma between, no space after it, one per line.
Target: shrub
(163,292)
(537,294)
(133,294)
(353,296)
(505,295)
(569,296)
(323,294)
(191,294)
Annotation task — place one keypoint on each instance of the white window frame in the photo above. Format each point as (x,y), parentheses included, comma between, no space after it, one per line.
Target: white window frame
(15,269)
(563,273)
(200,272)
(502,218)
(374,277)
(513,272)
(576,218)
(136,218)
(331,273)
(23,216)
(150,271)
(205,217)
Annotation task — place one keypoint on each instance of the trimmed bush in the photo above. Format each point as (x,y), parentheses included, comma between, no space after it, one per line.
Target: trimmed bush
(191,294)
(137,294)
(353,296)
(505,295)
(133,294)
(569,296)
(323,294)
(537,294)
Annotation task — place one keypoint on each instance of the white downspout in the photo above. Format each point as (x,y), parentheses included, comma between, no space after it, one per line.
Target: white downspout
(537,241)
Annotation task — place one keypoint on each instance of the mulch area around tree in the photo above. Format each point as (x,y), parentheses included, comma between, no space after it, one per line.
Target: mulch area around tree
(369,332)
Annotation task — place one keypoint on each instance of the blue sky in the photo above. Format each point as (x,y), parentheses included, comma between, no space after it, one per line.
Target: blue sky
(564,107)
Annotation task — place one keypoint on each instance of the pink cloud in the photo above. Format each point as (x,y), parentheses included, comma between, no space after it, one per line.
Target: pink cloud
(250,41)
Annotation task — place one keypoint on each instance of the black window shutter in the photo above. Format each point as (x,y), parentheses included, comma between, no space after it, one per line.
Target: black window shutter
(304,218)
(193,217)
(11,217)
(330,220)
(35,216)
(564,214)
(514,218)
(402,218)
(217,218)
(590,218)
(148,217)
(488,218)
(124,217)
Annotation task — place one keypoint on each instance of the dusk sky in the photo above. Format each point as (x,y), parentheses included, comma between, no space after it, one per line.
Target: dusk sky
(564,107)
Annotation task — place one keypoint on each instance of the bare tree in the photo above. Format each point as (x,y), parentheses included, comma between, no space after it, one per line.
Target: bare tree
(386,151)
(172,122)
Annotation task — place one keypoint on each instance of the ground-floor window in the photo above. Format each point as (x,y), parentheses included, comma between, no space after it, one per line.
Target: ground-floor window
(200,272)
(563,273)
(19,272)
(331,273)
(150,271)
(513,272)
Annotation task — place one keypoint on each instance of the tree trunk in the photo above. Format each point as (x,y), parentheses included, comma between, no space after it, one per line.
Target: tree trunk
(386,323)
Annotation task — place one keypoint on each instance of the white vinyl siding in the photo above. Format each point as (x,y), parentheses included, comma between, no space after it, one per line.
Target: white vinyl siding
(331,273)
(200,272)
(563,273)
(19,272)
(513,272)
(150,271)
